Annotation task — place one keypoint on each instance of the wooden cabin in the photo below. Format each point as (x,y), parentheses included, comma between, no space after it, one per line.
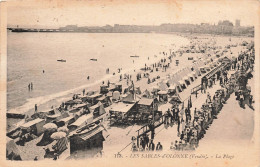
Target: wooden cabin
(147,106)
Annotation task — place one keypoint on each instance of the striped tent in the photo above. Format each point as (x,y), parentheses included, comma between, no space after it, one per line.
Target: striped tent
(61,145)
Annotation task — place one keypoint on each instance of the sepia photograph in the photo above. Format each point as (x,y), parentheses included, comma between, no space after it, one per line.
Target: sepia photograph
(158,83)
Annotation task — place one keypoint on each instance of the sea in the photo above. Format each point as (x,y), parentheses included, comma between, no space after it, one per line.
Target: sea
(32,58)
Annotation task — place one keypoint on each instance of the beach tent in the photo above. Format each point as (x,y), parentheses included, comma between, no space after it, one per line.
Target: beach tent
(146,94)
(81,121)
(162,86)
(128,98)
(97,109)
(12,151)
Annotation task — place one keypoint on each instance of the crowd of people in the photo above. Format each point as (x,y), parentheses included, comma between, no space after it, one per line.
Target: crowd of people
(194,128)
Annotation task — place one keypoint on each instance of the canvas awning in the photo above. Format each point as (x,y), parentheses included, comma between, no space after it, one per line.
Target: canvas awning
(146,101)
(31,123)
(162,92)
(66,119)
(94,95)
(172,87)
(82,120)
(121,107)
(86,136)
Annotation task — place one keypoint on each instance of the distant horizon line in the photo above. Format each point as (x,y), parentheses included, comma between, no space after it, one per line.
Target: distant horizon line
(112,25)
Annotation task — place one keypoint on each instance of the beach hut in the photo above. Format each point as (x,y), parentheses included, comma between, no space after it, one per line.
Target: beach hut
(163,96)
(91,143)
(35,126)
(121,109)
(172,90)
(147,106)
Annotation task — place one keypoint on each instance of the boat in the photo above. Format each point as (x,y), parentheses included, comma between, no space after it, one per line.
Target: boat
(93,59)
(134,56)
(87,129)
(61,60)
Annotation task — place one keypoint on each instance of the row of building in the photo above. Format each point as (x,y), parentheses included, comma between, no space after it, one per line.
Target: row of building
(223,27)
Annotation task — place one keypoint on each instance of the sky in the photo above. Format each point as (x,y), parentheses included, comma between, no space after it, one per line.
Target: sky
(56,13)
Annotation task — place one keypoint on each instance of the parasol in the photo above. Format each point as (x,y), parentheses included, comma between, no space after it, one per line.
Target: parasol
(50,126)
(58,135)
(63,129)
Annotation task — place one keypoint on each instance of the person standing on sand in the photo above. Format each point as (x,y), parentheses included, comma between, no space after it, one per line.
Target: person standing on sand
(83,92)
(31,86)
(35,108)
